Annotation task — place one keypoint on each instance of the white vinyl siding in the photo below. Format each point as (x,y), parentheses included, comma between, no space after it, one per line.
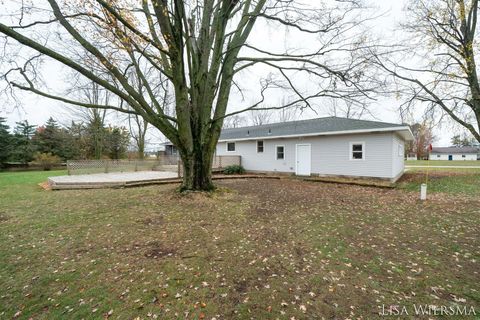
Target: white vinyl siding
(455,156)
(398,156)
(330,155)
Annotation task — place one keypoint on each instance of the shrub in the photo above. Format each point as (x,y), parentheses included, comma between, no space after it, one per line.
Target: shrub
(234,169)
(46,160)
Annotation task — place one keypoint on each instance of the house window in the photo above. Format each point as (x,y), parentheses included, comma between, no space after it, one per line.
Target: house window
(280,152)
(231,146)
(438,156)
(463,156)
(357,150)
(400,150)
(171,150)
(260,146)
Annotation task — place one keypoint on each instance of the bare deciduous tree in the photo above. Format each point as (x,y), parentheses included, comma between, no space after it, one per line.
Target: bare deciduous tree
(423,137)
(234,121)
(202,48)
(349,109)
(288,114)
(94,118)
(138,132)
(438,65)
(260,117)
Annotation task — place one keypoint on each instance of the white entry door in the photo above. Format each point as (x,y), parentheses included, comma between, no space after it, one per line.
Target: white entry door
(304,160)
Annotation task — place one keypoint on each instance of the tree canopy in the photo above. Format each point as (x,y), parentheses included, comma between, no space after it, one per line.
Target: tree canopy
(436,65)
(191,54)
(78,141)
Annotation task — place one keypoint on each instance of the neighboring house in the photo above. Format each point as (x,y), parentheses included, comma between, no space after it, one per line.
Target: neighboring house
(170,149)
(324,146)
(454,153)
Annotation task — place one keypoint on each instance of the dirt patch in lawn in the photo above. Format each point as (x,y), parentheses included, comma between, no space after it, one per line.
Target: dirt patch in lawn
(3,217)
(151,249)
(152,220)
(157,250)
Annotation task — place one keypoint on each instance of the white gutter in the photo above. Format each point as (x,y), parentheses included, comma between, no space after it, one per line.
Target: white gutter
(409,135)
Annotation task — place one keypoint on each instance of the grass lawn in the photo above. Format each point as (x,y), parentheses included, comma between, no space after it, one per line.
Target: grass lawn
(442,163)
(448,180)
(262,249)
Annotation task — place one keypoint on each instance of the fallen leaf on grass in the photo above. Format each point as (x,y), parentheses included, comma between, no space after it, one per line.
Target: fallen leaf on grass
(108,314)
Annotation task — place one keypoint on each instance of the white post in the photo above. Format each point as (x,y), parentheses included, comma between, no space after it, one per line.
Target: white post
(423,192)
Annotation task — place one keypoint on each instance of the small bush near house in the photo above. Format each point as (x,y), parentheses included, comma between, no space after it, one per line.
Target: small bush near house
(234,169)
(46,160)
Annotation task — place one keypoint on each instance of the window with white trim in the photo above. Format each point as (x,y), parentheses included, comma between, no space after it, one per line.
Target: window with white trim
(231,146)
(400,150)
(260,146)
(357,151)
(280,152)
(464,156)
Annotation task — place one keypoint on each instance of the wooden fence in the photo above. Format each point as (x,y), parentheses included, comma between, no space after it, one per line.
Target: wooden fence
(163,163)
(219,163)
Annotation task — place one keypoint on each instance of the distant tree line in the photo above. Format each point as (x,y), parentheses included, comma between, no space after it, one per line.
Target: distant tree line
(52,142)
(463,141)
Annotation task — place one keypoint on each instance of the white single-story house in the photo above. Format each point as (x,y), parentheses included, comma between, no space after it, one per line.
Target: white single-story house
(330,146)
(454,153)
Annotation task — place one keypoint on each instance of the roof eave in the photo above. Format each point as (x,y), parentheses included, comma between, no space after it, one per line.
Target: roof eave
(404,131)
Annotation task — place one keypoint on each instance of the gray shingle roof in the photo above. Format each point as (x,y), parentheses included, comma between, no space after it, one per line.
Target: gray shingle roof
(305,127)
(451,150)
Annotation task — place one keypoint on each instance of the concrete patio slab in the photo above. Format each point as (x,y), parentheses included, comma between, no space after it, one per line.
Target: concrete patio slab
(130,179)
(108,179)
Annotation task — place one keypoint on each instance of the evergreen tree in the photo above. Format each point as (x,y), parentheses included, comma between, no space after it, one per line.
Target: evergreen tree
(51,138)
(69,149)
(79,142)
(47,138)
(97,134)
(23,148)
(5,141)
(117,142)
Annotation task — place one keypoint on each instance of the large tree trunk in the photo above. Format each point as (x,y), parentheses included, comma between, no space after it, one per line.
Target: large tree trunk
(197,160)
(197,170)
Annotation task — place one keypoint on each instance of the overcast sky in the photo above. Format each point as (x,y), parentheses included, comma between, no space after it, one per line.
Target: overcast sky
(37,110)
